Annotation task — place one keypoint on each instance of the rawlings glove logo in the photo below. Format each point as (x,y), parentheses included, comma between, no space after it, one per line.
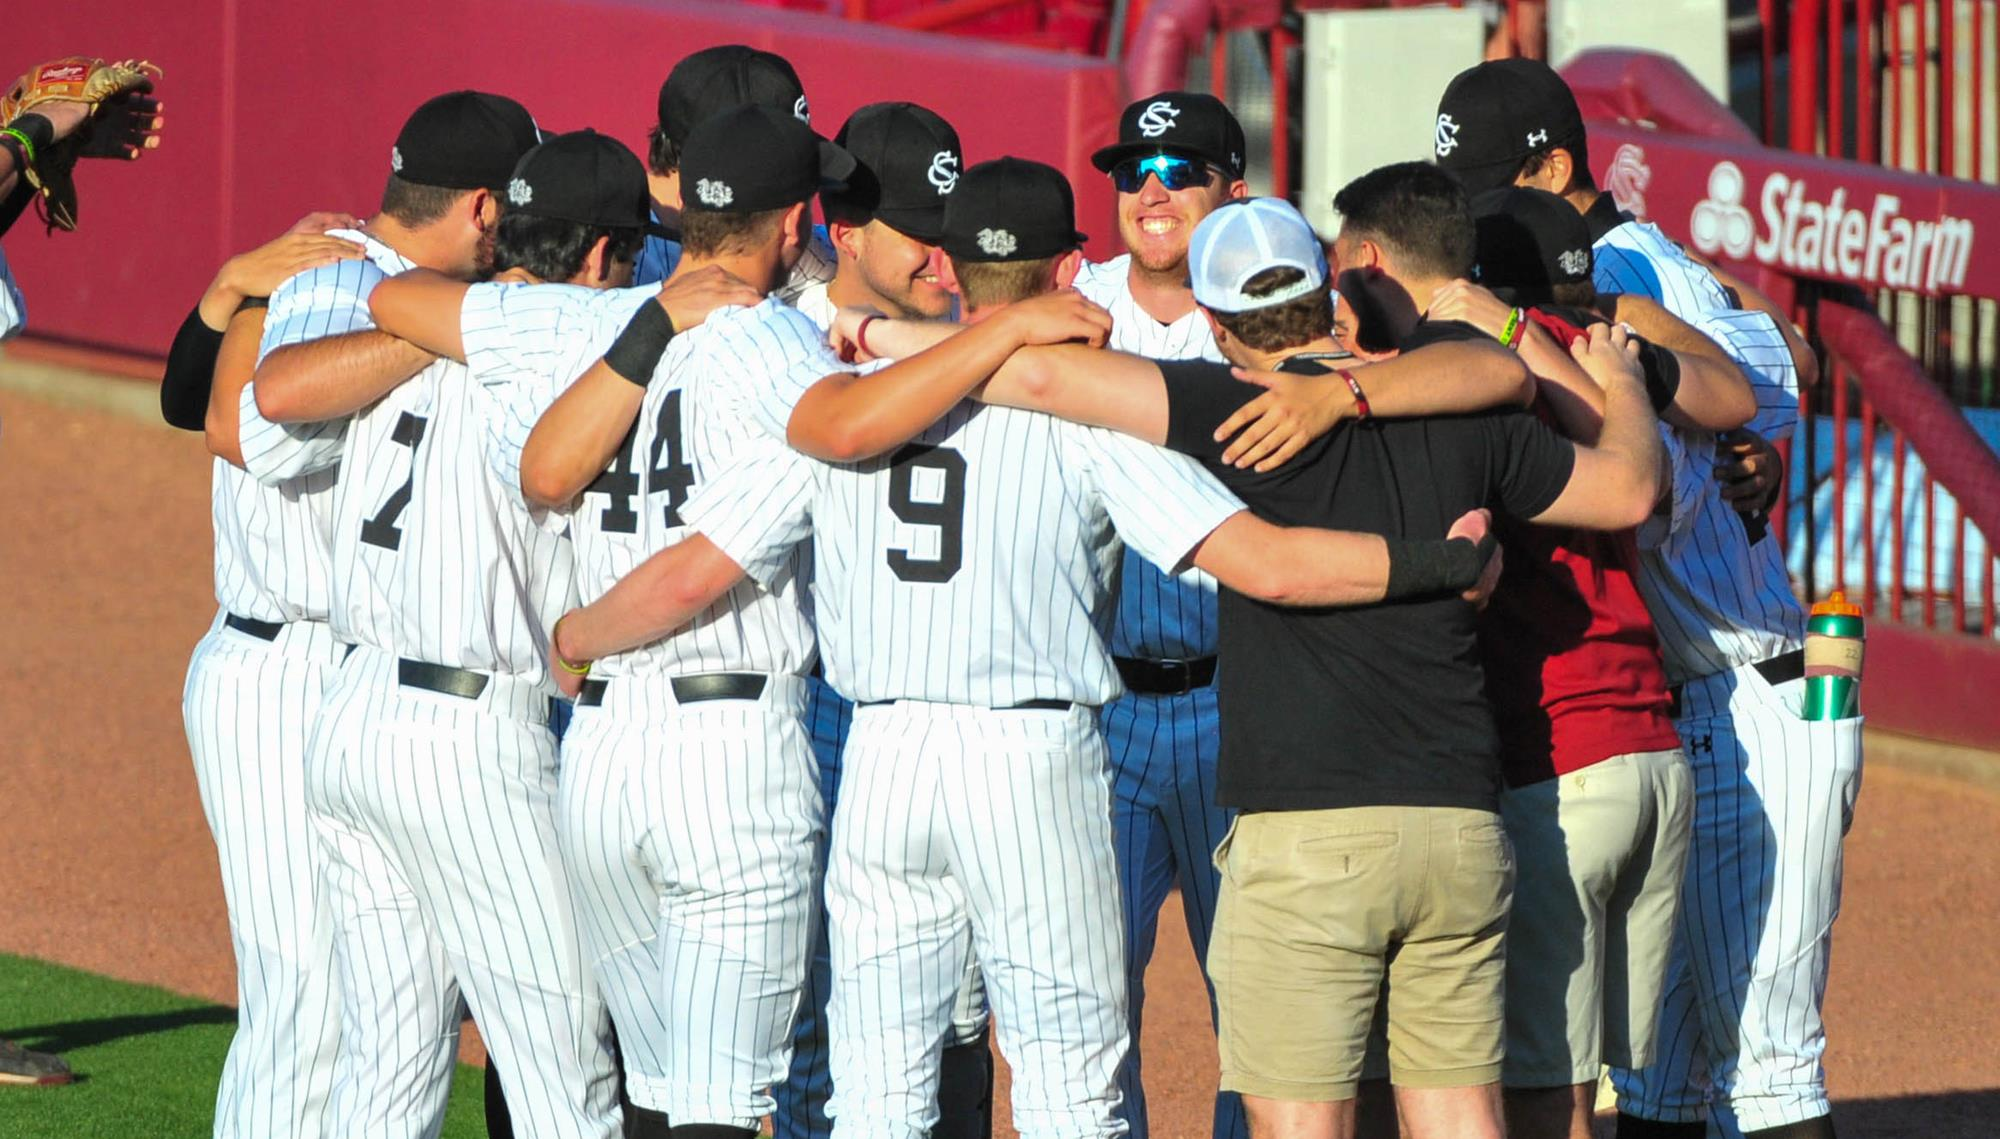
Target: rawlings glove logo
(944,171)
(519,192)
(1447,136)
(1158,118)
(714,195)
(997,242)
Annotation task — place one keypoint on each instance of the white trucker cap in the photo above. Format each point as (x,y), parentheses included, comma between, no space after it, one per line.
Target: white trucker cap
(1242,239)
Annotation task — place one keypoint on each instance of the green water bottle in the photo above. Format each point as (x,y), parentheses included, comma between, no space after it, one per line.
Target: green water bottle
(1835,635)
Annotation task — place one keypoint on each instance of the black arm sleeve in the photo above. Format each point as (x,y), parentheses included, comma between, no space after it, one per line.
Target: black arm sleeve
(1663,374)
(1200,395)
(11,207)
(190,374)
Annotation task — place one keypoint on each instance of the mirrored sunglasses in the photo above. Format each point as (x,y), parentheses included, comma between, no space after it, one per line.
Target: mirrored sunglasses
(1174,172)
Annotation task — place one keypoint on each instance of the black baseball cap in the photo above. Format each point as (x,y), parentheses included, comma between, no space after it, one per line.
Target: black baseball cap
(465,140)
(583,177)
(752,158)
(1178,122)
(1010,209)
(907,163)
(1529,242)
(1496,114)
(734,75)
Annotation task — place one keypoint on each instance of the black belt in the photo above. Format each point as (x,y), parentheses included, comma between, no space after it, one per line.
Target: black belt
(441,678)
(1781,669)
(262,630)
(1166,677)
(1023,706)
(693,689)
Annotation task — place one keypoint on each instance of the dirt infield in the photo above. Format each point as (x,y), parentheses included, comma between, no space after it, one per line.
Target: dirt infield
(104,589)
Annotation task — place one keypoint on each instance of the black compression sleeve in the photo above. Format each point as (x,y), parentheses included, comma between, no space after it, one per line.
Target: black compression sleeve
(1663,374)
(638,349)
(1417,569)
(190,373)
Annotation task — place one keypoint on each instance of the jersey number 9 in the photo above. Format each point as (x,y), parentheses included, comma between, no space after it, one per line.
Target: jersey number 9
(946,512)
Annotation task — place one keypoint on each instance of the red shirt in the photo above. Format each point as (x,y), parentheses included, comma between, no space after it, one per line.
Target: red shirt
(1572,663)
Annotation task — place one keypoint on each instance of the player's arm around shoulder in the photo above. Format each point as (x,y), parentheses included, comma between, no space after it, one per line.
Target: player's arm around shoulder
(1614,485)
(1711,391)
(322,357)
(423,307)
(1305,566)
(847,417)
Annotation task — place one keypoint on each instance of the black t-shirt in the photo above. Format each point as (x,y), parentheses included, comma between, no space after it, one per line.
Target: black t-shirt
(1374,705)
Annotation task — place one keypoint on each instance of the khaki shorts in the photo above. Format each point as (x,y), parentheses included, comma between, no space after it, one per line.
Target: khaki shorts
(1318,906)
(1600,854)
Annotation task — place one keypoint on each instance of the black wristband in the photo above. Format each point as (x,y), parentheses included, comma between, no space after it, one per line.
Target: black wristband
(638,349)
(1417,569)
(40,131)
(190,373)
(13,146)
(1662,370)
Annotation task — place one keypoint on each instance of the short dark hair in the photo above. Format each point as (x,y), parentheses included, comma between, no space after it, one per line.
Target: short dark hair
(416,205)
(1579,163)
(985,283)
(714,233)
(1575,294)
(663,155)
(553,249)
(1417,209)
(1295,322)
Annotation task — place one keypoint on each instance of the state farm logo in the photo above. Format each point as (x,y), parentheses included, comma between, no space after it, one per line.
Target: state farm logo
(1875,245)
(1627,179)
(1720,223)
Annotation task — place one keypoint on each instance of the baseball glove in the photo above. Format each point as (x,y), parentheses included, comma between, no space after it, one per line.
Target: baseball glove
(97,84)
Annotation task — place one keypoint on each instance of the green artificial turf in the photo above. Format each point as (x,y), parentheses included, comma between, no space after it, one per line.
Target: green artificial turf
(146,1059)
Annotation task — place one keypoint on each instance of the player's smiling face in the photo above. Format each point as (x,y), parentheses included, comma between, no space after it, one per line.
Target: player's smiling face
(1156,223)
(903,271)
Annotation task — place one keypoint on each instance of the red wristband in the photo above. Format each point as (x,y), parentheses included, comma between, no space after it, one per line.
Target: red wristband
(861,331)
(1360,400)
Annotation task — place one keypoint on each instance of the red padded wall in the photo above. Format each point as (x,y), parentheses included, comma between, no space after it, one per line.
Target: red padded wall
(275,110)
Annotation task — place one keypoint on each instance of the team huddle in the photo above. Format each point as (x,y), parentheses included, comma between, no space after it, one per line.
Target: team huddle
(736,659)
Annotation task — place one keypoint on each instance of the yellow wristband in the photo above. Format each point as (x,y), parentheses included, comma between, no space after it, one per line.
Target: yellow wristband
(555,654)
(1510,333)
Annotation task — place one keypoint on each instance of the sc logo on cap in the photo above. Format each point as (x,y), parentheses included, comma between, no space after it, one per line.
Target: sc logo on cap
(1158,118)
(944,172)
(1447,135)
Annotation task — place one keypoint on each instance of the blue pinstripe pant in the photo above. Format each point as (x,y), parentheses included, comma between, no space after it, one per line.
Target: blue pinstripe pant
(1163,753)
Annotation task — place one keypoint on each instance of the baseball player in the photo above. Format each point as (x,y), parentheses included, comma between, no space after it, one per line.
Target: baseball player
(1740,1030)
(700,86)
(431,775)
(697,872)
(1178,156)
(884,228)
(974,806)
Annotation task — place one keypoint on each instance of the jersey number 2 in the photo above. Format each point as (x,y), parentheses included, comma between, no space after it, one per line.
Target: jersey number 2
(382,530)
(668,471)
(947,512)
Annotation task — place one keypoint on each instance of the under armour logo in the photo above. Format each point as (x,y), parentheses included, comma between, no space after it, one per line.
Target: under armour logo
(1703,743)
(714,195)
(1158,118)
(1575,262)
(1721,222)
(1628,178)
(519,192)
(944,171)
(1235,161)
(997,242)
(1538,138)
(396,159)
(801,112)
(1447,136)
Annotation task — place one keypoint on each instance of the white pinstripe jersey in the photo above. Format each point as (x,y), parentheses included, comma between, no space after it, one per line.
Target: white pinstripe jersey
(13,306)
(432,559)
(696,419)
(1718,600)
(1160,616)
(530,343)
(1637,258)
(974,565)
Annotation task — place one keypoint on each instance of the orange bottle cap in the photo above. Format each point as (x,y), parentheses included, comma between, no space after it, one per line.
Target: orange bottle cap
(1837,605)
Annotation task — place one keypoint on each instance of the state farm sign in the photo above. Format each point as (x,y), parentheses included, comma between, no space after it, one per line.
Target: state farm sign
(1816,217)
